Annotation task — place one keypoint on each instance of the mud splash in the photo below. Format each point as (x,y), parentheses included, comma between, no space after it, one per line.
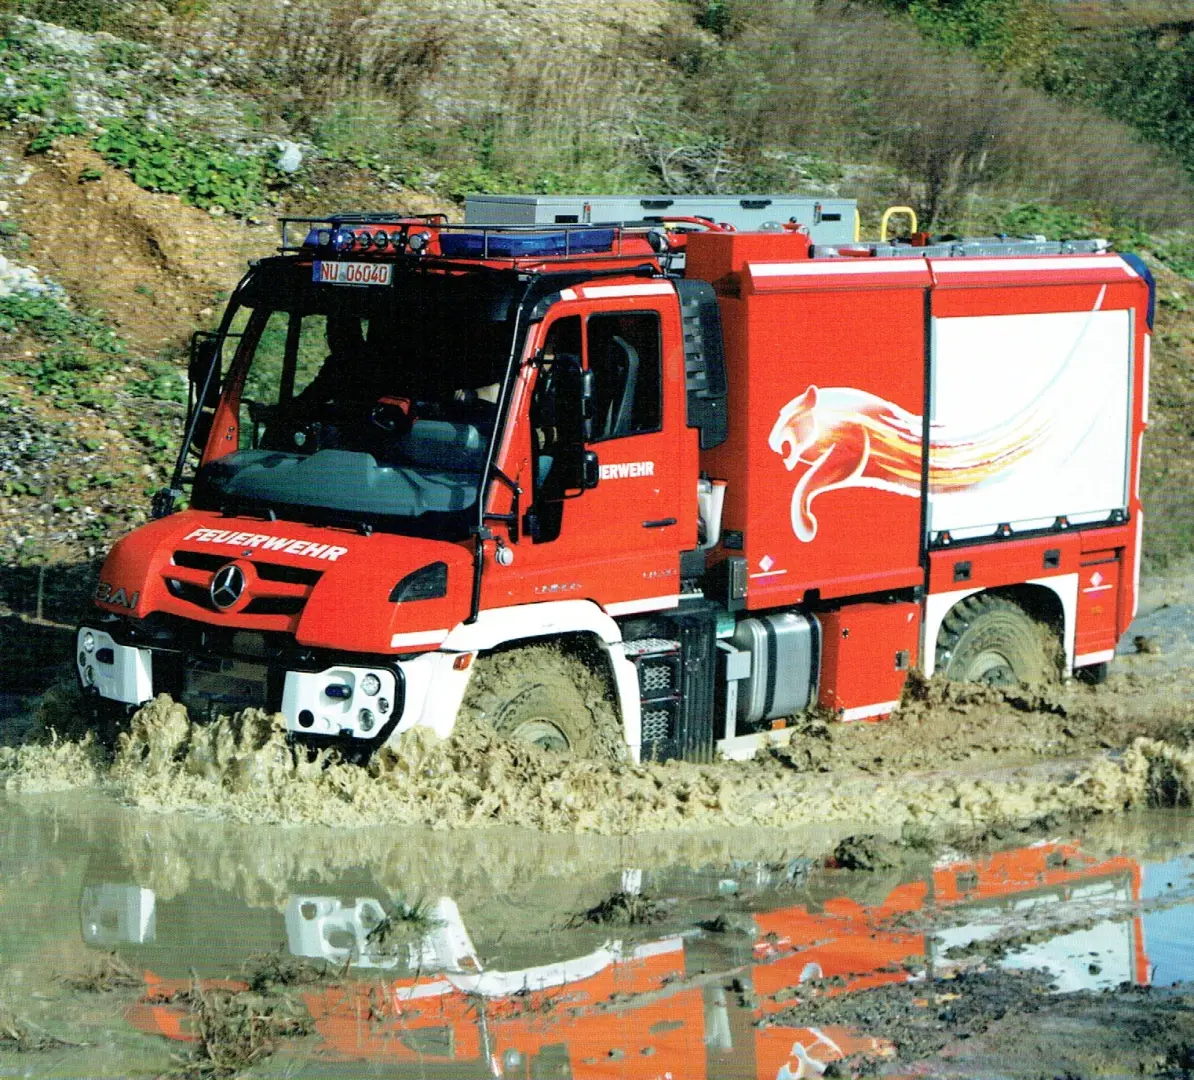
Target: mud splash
(241,768)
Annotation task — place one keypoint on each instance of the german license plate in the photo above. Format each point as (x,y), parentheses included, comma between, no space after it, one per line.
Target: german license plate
(351,273)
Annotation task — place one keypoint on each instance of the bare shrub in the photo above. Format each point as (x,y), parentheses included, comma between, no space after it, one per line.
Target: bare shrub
(844,79)
(470,96)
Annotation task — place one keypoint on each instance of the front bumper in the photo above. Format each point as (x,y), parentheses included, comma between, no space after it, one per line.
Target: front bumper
(323,697)
(121,673)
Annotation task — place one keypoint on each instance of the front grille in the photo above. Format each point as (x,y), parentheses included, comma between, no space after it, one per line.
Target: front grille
(279,591)
(275,605)
(292,575)
(192,594)
(200,560)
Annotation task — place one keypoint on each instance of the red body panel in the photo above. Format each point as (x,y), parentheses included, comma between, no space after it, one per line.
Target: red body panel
(1007,562)
(346,607)
(606,551)
(795,346)
(867,651)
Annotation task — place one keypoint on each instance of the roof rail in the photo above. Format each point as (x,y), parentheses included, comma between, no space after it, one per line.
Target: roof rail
(961,247)
(517,243)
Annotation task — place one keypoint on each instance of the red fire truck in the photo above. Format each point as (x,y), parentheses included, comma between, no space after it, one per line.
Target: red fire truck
(544,476)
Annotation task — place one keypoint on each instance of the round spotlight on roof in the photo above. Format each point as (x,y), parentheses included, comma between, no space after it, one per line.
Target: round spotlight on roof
(418,242)
(381,238)
(343,239)
(364,239)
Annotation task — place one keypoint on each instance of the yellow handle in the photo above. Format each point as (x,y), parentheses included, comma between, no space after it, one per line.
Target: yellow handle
(887,214)
(857,225)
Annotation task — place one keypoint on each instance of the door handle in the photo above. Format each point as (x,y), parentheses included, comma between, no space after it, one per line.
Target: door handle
(661,523)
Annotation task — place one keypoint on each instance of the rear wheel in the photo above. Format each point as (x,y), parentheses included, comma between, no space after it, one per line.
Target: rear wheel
(544,697)
(992,640)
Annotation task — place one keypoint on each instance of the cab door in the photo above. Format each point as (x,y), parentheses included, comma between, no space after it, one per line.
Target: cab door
(619,542)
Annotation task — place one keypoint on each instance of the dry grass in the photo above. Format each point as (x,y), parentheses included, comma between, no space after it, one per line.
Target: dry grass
(235,1030)
(621,909)
(402,923)
(265,972)
(108,974)
(21,1036)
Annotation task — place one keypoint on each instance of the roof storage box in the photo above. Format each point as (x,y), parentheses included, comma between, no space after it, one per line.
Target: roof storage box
(829,220)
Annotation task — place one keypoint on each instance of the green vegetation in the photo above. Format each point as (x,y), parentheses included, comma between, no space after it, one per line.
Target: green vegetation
(1144,77)
(1008,35)
(184,164)
(944,99)
(78,351)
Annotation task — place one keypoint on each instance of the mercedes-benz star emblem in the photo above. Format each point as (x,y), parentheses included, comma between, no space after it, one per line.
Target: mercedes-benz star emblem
(227,585)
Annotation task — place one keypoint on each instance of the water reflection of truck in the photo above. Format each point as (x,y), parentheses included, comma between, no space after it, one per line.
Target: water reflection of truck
(790,474)
(646,1010)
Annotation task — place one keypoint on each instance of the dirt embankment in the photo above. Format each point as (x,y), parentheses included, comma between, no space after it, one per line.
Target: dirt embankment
(157,267)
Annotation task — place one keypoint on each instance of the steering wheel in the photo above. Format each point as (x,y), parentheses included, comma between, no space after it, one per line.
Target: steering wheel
(391,416)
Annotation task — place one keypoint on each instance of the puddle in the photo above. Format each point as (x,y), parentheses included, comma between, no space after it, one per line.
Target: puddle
(419,953)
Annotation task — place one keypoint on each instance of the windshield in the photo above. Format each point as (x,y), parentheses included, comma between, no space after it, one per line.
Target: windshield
(366,405)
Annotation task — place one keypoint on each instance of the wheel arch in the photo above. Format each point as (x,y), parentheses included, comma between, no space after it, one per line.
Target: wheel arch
(1053,600)
(580,625)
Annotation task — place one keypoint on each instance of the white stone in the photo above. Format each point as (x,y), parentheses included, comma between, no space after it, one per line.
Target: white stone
(290,156)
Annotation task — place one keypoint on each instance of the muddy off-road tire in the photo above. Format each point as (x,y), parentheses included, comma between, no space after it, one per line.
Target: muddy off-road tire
(990,639)
(548,698)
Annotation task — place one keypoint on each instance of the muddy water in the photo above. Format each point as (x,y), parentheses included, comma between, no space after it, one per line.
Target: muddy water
(421,953)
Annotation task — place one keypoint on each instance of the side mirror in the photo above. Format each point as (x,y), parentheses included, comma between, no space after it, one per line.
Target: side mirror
(567,400)
(573,470)
(203,368)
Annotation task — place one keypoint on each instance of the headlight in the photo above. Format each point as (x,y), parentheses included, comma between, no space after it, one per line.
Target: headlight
(371,685)
(365,719)
(88,641)
(429,582)
(89,676)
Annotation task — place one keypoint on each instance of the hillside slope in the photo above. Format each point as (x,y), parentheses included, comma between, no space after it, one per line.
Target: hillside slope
(91,385)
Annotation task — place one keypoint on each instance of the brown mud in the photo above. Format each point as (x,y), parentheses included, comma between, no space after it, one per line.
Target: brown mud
(952,760)
(999,1023)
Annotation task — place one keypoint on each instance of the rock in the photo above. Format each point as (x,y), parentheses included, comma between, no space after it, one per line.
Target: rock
(290,156)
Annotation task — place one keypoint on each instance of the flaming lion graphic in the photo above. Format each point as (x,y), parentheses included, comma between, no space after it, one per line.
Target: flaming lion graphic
(840,437)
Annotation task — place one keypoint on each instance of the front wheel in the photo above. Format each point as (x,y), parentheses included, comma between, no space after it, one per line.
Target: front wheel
(544,697)
(992,640)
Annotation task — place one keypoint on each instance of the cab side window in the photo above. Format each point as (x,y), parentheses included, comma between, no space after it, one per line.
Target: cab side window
(624,356)
(563,341)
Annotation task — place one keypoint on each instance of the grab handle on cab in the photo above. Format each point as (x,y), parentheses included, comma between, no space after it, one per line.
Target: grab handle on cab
(887,216)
